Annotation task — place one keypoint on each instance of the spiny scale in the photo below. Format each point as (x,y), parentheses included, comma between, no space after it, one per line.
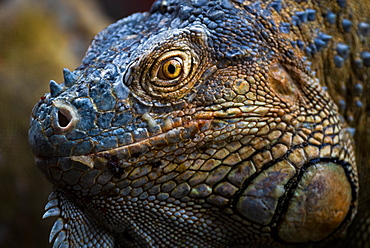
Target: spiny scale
(55,88)
(57,227)
(51,212)
(69,77)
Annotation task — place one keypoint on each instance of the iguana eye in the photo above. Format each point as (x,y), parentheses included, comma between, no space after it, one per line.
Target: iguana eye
(170,72)
(170,68)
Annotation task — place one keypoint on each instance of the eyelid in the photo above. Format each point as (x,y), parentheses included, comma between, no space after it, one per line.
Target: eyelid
(161,87)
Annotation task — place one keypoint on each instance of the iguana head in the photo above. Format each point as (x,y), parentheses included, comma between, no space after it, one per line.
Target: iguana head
(195,124)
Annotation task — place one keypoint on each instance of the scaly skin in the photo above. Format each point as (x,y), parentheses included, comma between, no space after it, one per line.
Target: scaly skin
(206,123)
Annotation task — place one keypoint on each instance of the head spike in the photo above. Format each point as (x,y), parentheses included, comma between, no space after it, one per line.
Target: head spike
(55,88)
(69,77)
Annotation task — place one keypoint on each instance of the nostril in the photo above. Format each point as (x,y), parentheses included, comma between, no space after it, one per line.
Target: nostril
(64,118)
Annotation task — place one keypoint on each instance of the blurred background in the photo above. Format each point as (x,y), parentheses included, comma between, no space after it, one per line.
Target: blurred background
(37,39)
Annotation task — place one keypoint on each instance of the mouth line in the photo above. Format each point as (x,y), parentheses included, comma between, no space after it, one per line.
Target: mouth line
(201,120)
(139,148)
(191,127)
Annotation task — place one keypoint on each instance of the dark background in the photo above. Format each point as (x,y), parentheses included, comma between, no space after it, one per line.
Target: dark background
(118,9)
(37,39)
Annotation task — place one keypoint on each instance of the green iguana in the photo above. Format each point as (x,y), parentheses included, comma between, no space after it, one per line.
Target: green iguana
(223,123)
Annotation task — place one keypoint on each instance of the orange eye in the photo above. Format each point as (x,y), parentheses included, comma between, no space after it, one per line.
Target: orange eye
(170,69)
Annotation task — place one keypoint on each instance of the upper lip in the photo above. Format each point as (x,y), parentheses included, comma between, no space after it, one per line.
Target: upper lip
(126,151)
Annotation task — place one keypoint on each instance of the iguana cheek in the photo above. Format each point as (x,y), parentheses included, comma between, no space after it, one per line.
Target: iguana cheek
(319,204)
(259,201)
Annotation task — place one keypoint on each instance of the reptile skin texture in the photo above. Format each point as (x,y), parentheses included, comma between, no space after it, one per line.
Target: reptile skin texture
(223,123)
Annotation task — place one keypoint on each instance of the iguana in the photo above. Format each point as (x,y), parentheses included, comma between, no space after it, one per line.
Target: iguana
(223,123)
